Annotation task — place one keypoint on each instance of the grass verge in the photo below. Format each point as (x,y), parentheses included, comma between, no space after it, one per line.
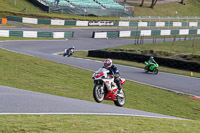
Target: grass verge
(21,38)
(7,26)
(31,73)
(106,124)
(180,47)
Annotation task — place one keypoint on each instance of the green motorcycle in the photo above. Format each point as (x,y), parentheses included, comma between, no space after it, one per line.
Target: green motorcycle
(151,67)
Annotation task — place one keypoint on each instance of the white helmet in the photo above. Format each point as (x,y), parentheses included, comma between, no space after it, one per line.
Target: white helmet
(107,63)
(151,57)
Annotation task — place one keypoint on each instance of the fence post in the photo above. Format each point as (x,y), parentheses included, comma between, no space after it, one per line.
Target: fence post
(168,21)
(15,3)
(174,40)
(193,41)
(150,22)
(153,40)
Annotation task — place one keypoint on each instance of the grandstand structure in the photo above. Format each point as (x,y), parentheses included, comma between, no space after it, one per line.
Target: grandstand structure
(86,7)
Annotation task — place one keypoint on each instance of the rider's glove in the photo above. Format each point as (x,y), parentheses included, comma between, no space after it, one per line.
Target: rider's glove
(111,76)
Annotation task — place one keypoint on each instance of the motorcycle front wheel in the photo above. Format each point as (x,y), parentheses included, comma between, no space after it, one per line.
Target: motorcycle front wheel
(98,93)
(120,100)
(146,69)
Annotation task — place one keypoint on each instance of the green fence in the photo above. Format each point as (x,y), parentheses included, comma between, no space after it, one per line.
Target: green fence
(16,34)
(149,32)
(44,21)
(14,18)
(45,34)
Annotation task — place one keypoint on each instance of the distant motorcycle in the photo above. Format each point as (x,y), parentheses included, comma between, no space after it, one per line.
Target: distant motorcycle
(106,89)
(68,52)
(151,67)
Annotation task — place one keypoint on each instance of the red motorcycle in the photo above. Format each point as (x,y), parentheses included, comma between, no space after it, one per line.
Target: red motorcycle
(106,89)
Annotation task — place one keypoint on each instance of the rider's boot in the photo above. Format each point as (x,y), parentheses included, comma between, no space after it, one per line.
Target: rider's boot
(64,54)
(119,89)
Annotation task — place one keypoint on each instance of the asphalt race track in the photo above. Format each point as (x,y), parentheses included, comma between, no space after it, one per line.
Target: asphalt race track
(21,101)
(17,101)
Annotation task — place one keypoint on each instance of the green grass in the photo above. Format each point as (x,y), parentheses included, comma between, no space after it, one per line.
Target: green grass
(191,8)
(31,73)
(93,124)
(179,47)
(19,6)
(26,38)
(7,26)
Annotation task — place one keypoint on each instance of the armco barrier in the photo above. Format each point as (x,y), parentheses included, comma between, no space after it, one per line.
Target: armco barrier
(102,23)
(178,64)
(36,34)
(164,32)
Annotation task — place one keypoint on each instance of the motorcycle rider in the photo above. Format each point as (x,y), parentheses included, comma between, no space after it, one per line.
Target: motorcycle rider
(150,61)
(114,72)
(71,49)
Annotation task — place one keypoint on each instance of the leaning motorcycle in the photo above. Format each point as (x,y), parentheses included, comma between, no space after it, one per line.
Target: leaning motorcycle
(106,89)
(152,67)
(68,53)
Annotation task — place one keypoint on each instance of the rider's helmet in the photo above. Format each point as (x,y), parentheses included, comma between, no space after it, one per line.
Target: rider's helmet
(107,63)
(151,58)
(73,47)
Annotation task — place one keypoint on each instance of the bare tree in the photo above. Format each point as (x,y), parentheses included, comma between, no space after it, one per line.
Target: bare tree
(142,3)
(153,3)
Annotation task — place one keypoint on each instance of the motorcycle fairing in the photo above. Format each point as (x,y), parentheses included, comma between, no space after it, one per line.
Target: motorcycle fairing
(111,95)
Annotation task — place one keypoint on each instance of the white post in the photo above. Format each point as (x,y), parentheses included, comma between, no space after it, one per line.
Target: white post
(15,3)
(168,21)
(129,22)
(150,22)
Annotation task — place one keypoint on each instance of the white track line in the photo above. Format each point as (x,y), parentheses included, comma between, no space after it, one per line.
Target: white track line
(110,114)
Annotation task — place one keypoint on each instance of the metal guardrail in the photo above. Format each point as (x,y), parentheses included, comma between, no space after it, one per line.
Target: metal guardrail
(160,18)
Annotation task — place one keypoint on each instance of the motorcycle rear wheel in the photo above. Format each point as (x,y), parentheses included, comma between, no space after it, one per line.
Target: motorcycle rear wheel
(98,93)
(120,100)
(155,71)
